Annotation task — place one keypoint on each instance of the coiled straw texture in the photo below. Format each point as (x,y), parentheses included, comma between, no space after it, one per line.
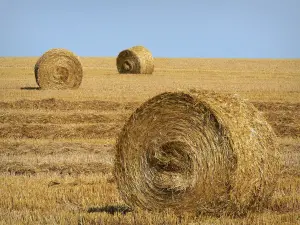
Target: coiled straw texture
(206,152)
(135,60)
(58,69)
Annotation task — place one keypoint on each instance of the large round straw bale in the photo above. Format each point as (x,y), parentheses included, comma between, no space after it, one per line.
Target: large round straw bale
(58,69)
(135,60)
(199,152)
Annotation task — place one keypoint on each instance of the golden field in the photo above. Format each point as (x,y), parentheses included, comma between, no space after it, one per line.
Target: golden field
(57,146)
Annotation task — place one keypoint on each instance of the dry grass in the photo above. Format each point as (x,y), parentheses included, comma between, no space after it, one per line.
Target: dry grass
(56,172)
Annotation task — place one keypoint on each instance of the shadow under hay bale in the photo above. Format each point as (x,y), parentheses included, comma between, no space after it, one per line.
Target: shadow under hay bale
(111,209)
(204,152)
(58,69)
(30,88)
(135,60)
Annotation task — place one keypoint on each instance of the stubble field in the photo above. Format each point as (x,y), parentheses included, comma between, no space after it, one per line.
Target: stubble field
(57,146)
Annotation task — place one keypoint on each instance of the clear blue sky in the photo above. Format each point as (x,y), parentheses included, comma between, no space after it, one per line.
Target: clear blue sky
(169,28)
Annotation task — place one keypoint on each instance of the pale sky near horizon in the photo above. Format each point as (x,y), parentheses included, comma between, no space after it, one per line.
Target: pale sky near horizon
(191,28)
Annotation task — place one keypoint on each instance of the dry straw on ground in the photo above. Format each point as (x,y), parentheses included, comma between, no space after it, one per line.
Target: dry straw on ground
(58,69)
(198,152)
(135,60)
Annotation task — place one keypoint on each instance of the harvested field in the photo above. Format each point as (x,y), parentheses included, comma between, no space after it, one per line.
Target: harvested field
(57,146)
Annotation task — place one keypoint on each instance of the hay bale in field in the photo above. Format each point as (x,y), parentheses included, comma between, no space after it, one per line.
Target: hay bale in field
(204,152)
(58,69)
(135,60)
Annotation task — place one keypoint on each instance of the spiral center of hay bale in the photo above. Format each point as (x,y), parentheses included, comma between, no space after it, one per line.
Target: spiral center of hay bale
(172,157)
(62,73)
(170,163)
(127,66)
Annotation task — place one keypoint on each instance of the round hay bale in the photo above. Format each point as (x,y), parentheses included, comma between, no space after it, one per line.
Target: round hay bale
(205,152)
(135,60)
(58,69)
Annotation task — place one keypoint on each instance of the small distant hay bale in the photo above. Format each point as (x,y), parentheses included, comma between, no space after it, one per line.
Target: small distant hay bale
(135,60)
(58,69)
(199,152)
